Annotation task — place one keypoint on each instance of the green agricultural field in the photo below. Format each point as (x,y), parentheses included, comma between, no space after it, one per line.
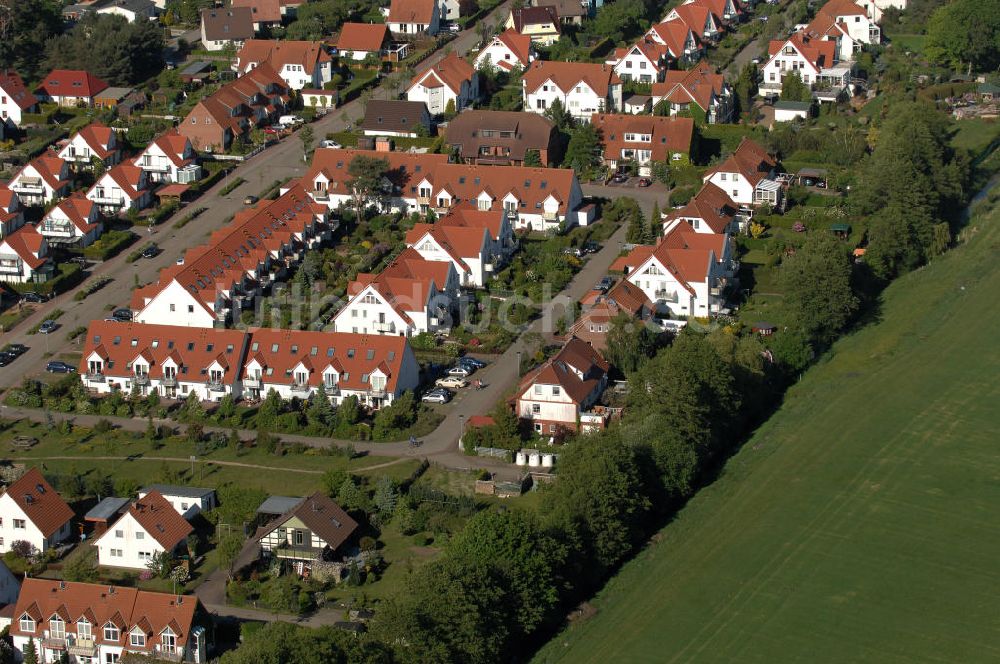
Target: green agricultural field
(860,524)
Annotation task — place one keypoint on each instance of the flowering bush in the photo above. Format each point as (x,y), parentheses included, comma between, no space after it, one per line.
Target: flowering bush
(799,227)
(145,575)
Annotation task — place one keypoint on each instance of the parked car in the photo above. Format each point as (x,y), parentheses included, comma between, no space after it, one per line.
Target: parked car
(151,251)
(591,247)
(573,251)
(180,261)
(59,367)
(330,144)
(453,382)
(475,362)
(6,358)
(620,178)
(48,326)
(604,284)
(453,27)
(461,371)
(437,395)
(32,298)
(645,182)
(122,315)
(250,200)
(290,120)
(16,349)
(272,130)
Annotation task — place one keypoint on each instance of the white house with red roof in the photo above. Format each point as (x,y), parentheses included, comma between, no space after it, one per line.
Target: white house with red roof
(507,51)
(42,180)
(216,280)
(93,141)
(24,257)
(477,246)
(32,511)
(374,368)
(74,220)
(644,61)
(698,18)
(747,176)
(357,41)
(875,8)
(301,64)
(410,296)
(700,87)
(124,188)
(725,11)
(414,17)
(684,274)
(169,157)
(151,526)
(11,211)
(847,24)
(683,44)
(171,360)
(450,80)
(557,395)
(70,87)
(15,99)
(582,88)
(800,54)
(643,139)
(711,210)
(100,623)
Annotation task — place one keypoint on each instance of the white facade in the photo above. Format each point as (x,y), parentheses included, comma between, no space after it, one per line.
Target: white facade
(581,100)
(14,267)
(187,506)
(10,110)
(547,406)
(876,7)
(56,225)
(398,27)
(159,167)
(786,61)
(176,382)
(297,77)
(735,184)
(368,312)
(127,544)
(499,52)
(175,305)
(636,65)
(78,151)
(436,95)
(15,526)
(682,298)
(113,198)
(33,189)
(129,14)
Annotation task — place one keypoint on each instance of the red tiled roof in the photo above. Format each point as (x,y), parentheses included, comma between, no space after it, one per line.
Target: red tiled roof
(71,83)
(411,11)
(467,215)
(406,283)
(129,178)
(264,11)
(174,146)
(159,518)
(27,243)
(307,54)
(669,134)
(353,356)
(694,16)
(50,169)
(13,87)
(565,75)
(98,138)
(750,160)
(519,45)
(674,33)
(450,71)
(79,210)
(362,37)
(193,349)
(696,85)
(405,168)
(458,241)
(819,53)
(842,8)
(712,205)
(100,604)
(40,502)
(683,252)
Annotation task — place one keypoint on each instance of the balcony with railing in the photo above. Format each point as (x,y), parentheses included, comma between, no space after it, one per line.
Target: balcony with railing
(301,388)
(385,328)
(29,186)
(298,552)
(550,216)
(109,201)
(94,377)
(215,385)
(54,643)
(376,393)
(83,647)
(57,230)
(141,379)
(9,266)
(175,655)
(169,380)
(253,383)
(332,389)
(666,295)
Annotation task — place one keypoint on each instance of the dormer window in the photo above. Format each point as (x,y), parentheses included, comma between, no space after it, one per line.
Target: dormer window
(111,632)
(27,623)
(137,639)
(57,628)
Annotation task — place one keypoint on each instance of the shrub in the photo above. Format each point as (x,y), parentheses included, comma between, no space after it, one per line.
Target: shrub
(103,426)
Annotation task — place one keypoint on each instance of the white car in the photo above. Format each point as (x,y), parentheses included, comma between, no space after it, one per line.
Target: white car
(453,382)
(330,144)
(461,371)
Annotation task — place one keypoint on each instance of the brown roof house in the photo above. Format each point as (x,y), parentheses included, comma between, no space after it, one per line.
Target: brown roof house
(503,137)
(315,529)
(396,118)
(31,511)
(599,310)
(643,139)
(253,100)
(223,26)
(151,526)
(558,395)
(699,91)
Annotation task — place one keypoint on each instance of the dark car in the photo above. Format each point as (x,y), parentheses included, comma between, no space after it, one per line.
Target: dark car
(645,182)
(151,251)
(472,361)
(123,315)
(48,327)
(6,358)
(604,284)
(59,367)
(16,349)
(591,247)
(32,298)
(620,178)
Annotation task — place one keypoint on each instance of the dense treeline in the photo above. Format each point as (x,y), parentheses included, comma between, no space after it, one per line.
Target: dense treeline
(109,47)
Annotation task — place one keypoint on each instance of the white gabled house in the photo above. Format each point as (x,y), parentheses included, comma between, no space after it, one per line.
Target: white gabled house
(414,17)
(24,257)
(507,51)
(95,141)
(644,61)
(799,54)
(557,395)
(582,88)
(451,80)
(11,212)
(31,511)
(698,18)
(123,188)
(74,220)
(169,157)
(151,526)
(301,64)
(41,181)
(187,500)
(748,176)
(15,99)
(476,243)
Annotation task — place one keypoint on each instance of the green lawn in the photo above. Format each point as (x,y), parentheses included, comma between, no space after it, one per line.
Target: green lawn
(975,134)
(860,523)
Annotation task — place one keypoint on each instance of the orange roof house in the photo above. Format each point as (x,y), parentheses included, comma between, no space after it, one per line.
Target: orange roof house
(150,526)
(556,395)
(700,86)
(362,38)
(68,87)
(451,79)
(299,63)
(45,515)
(414,17)
(643,138)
